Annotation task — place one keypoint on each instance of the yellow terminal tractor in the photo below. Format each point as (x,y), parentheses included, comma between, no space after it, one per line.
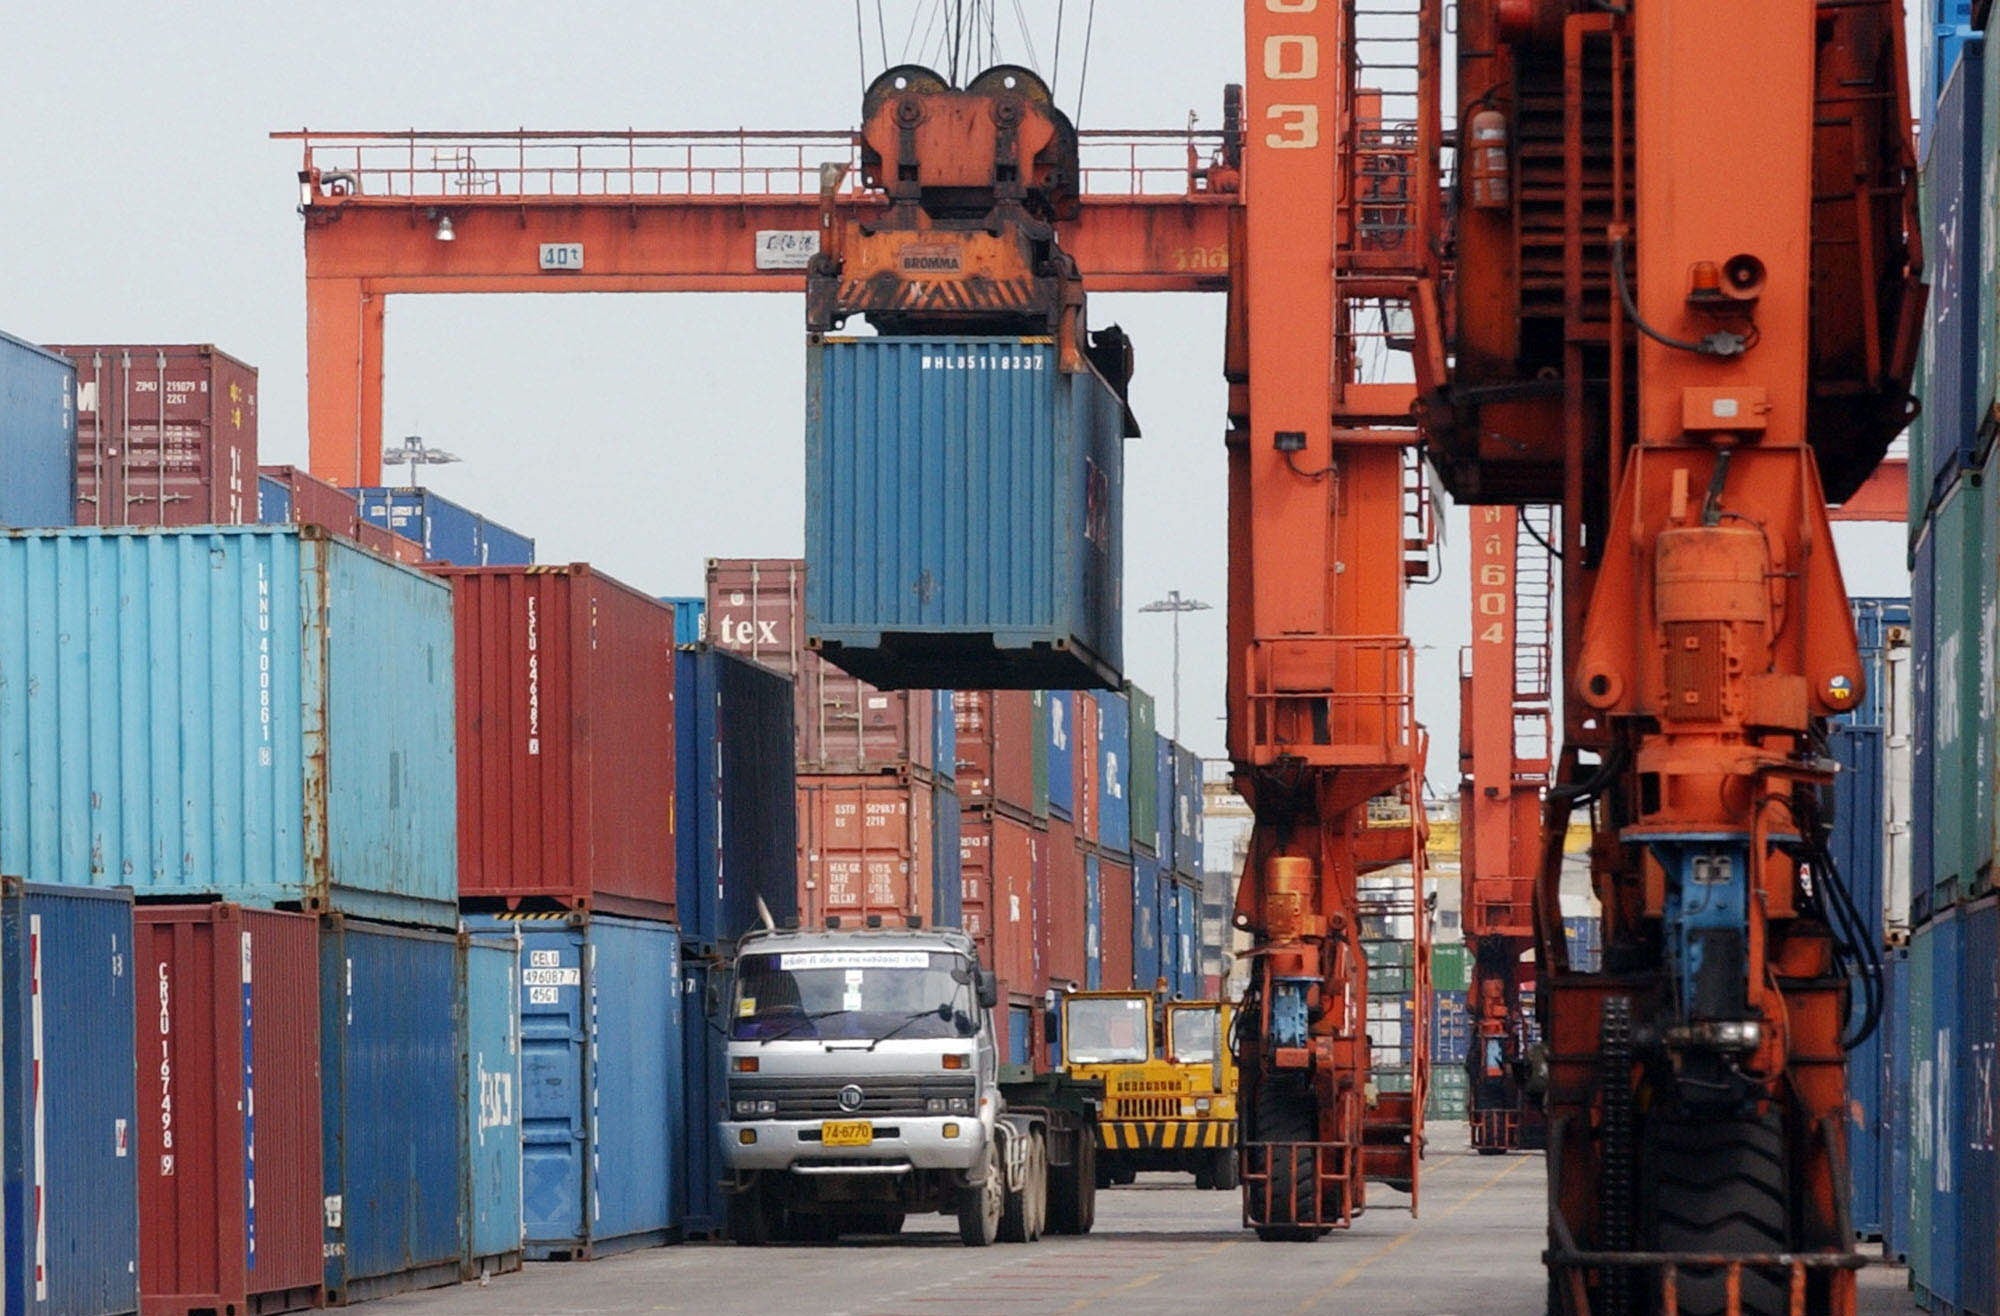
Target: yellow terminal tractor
(1169,1083)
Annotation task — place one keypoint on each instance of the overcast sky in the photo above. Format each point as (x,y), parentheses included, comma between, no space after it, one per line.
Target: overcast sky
(141,201)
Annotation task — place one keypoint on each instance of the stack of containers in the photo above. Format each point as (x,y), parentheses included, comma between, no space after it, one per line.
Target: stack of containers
(566,837)
(1451,1032)
(1063,903)
(447,532)
(1108,833)
(214,714)
(287,495)
(1002,787)
(1143,790)
(878,819)
(37,436)
(1199,966)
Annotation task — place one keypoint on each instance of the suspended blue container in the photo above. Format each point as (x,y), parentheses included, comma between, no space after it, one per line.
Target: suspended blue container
(448,532)
(947,870)
(736,820)
(37,435)
(964,514)
(1898,1129)
(1187,812)
(1114,772)
(702,1166)
(1093,915)
(1146,962)
(690,618)
(602,1065)
(393,1100)
(1061,741)
(261,715)
(492,1105)
(68,1074)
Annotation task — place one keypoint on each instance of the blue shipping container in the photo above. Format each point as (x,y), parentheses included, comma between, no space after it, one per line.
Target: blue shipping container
(1875,621)
(1936,1272)
(1950,24)
(1061,742)
(1977,1008)
(1923,755)
(274,501)
(1114,772)
(736,831)
(602,1095)
(944,737)
(1187,812)
(263,715)
(947,871)
(1145,920)
(448,532)
(702,1167)
(964,514)
(72,1190)
(492,967)
(1451,1028)
(37,436)
(1187,909)
(1857,846)
(393,1094)
(1093,915)
(1164,770)
(690,618)
(1954,176)
(1897,1131)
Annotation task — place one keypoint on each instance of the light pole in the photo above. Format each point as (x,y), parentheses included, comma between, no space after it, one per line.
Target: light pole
(414,453)
(1176,605)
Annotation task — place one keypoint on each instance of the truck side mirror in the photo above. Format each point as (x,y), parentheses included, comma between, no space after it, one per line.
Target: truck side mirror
(989,989)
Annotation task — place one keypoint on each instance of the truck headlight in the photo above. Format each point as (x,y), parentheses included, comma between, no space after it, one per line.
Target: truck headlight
(934,1106)
(767,1108)
(1201,1105)
(745,1106)
(961,1105)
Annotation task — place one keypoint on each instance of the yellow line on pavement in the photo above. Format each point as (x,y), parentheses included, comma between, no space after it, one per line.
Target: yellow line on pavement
(1354,1272)
(1143,1280)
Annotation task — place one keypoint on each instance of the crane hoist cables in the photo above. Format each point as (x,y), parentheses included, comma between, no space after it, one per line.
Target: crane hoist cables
(882,31)
(1083,79)
(860,44)
(1055,70)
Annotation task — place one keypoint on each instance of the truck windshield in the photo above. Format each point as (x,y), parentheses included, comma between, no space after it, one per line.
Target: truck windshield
(1191,1035)
(854,994)
(1105,1032)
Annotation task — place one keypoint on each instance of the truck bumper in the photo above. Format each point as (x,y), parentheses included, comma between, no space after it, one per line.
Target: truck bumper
(908,1143)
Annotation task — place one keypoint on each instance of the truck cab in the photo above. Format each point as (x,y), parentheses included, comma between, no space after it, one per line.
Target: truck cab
(1169,1083)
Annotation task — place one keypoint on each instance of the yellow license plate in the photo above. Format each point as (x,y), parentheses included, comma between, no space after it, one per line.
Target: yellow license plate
(846,1133)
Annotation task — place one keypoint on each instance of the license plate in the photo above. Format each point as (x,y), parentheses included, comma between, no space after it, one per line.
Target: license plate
(846,1133)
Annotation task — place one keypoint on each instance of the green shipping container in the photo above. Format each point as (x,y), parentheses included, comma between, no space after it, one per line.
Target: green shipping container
(1446,1099)
(1921,1042)
(1144,796)
(1983,667)
(1451,968)
(1388,967)
(1961,785)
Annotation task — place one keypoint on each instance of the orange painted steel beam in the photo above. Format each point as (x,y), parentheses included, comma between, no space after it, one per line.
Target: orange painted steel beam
(362,249)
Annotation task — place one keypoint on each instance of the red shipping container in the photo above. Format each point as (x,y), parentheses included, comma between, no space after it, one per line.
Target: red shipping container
(387,543)
(316,501)
(1089,788)
(229,1110)
(756,608)
(1062,919)
(565,739)
(868,850)
(996,748)
(165,436)
(1001,859)
(1115,948)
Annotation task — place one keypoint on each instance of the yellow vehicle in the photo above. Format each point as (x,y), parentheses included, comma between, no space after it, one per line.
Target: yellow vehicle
(1169,1083)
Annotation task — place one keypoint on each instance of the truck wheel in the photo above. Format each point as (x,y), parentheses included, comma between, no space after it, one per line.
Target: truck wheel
(752,1217)
(1226,1176)
(1039,1199)
(1718,1186)
(980,1205)
(1204,1175)
(1073,1190)
(1021,1219)
(1285,1115)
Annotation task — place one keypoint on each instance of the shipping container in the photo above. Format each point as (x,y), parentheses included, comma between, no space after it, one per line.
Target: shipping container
(736,828)
(1194,955)
(1093,922)
(1987,399)
(601,1105)
(756,608)
(1171,949)
(1445,1099)
(1114,772)
(287,495)
(1146,962)
(1188,807)
(1061,707)
(948,884)
(1451,966)
(1451,1030)
(1923,739)
(1087,767)
(1041,749)
(1584,936)
(393,1107)
(37,435)
(565,693)
(229,1095)
(1961,703)
(871,853)
(994,751)
(1898,776)
(1165,767)
(1143,772)
(690,618)
(1925,1047)
(1898,1108)
(492,1072)
(703,1205)
(263,715)
(964,513)
(1857,844)
(1061,909)
(1116,913)
(1000,858)
(1954,176)
(447,532)
(1976,1179)
(1950,28)
(72,1191)
(165,436)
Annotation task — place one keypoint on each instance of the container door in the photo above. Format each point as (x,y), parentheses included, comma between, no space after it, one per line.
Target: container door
(1145,921)
(1020,1034)
(1093,923)
(1922,1046)
(703,1209)
(553,1093)
(1977,1008)
(1897,1130)
(492,1105)
(634,978)
(1061,745)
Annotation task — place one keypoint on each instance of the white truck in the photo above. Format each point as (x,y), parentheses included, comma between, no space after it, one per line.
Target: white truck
(864,1085)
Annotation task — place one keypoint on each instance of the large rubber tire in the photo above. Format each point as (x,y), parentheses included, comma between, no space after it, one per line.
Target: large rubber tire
(1073,1191)
(1226,1171)
(753,1221)
(1204,1175)
(1021,1219)
(1719,1186)
(981,1205)
(1285,1114)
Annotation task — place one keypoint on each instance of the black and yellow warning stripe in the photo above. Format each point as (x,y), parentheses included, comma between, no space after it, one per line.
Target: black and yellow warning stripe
(1165,1135)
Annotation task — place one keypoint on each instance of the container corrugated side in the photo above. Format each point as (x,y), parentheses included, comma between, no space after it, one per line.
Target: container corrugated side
(566,748)
(690,617)
(392,1098)
(1451,1030)
(602,1099)
(1857,844)
(1943,1072)
(263,715)
(72,1189)
(1093,922)
(1194,960)
(1923,1046)
(868,850)
(1000,856)
(1143,776)
(1961,700)
(736,827)
(492,1072)
(1114,772)
(704,1208)
(1977,1176)
(1165,805)
(1060,741)
(228,1143)
(1954,176)
(1948,27)
(37,435)
(1087,768)
(1923,737)
(1188,807)
(1115,885)
(964,513)
(448,532)
(994,750)
(1145,920)
(1061,919)
(947,881)
(1898,1130)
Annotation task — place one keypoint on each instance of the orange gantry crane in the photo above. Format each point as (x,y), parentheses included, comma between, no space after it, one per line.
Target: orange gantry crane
(1672,293)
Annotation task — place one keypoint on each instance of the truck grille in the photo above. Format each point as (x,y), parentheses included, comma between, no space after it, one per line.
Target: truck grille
(818,1098)
(1144,1108)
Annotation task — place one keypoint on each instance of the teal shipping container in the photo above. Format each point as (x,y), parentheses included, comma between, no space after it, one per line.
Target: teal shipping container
(258,714)
(1144,787)
(1929,1110)
(492,966)
(964,514)
(1961,698)
(1187,812)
